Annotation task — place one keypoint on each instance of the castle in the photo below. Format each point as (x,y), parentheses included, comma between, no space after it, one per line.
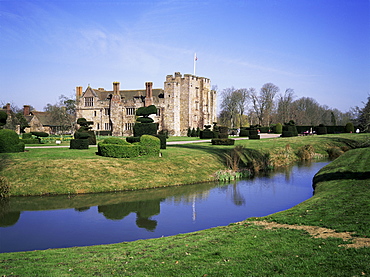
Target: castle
(184,102)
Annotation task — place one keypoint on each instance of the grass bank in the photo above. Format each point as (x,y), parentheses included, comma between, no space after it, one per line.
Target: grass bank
(40,171)
(327,235)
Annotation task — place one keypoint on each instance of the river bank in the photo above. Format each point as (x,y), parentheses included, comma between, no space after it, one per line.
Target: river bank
(327,235)
(43,171)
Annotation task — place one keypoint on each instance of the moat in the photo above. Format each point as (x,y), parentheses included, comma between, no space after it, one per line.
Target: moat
(35,223)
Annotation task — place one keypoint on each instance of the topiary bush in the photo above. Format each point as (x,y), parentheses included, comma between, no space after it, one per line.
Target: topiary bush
(119,150)
(349,127)
(223,141)
(253,134)
(145,129)
(150,145)
(115,141)
(26,136)
(133,139)
(278,128)
(10,142)
(79,144)
(289,129)
(244,132)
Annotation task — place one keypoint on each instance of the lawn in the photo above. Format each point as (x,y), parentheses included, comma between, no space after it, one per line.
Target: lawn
(41,171)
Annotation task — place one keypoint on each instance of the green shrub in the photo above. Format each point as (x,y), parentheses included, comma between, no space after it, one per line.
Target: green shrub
(115,141)
(79,144)
(145,129)
(133,139)
(207,134)
(82,135)
(223,129)
(40,134)
(349,127)
(119,150)
(30,141)
(244,133)
(278,128)
(287,134)
(223,141)
(264,129)
(3,118)
(10,142)
(253,134)
(26,136)
(289,130)
(163,140)
(150,145)
(223,135)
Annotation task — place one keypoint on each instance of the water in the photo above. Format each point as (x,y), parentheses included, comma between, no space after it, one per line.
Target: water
(35,223)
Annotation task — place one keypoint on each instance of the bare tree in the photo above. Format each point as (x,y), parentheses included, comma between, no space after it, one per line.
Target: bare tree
(285,106)
(63,112)
(242,100)
(263,103)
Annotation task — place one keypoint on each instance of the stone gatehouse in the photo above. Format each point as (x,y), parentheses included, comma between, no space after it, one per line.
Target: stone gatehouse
(183,102)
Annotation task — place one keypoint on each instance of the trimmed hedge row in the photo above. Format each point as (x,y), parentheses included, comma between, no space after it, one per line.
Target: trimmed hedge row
(119,148)
(223,141)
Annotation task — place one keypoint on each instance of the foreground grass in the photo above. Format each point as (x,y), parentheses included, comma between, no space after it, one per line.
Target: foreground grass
(69,171)
(247,248)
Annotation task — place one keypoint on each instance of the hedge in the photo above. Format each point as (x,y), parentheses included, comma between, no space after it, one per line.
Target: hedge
(79,144)
(150,145)
(207,134)
(119,150)
(31,141)
(10,142)
(220,141)
(244,133)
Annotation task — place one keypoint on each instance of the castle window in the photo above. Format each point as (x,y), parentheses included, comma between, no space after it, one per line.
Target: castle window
(129,126)
(106,111)
(130,111)
(158,112)
(98,126)
(94,113)
(89,101)
(107,126)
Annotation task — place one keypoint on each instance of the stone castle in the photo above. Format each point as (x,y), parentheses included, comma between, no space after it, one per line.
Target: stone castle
(184,102)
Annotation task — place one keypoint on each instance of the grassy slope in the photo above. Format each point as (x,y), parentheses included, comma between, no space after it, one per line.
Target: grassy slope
(244,249)
(63,171)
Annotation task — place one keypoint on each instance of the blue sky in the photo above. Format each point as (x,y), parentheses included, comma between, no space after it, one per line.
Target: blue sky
(319,48)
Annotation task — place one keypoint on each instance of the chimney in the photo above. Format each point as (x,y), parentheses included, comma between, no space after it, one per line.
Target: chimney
(26,110)
(8,109)
(116,88)
(78,93)
(148,93)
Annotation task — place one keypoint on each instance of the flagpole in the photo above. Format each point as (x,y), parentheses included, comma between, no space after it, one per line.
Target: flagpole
(195,62)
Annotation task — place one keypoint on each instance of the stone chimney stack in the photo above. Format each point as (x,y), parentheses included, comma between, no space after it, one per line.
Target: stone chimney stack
(78,93)
(8,109)
(116,88)
(26,110)
(148,93)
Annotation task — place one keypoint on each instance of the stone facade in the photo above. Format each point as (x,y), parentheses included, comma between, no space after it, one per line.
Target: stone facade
(185,101)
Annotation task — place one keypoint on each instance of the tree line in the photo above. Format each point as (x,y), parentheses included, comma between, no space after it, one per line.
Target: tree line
(243,107)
